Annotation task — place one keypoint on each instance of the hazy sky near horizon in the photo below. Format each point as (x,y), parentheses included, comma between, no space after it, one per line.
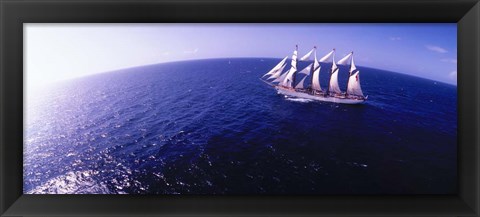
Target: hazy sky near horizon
(56,52)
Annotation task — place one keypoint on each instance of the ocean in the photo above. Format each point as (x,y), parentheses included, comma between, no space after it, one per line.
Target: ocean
(212,127)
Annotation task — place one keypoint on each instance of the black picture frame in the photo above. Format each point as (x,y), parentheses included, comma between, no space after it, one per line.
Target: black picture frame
(466,13)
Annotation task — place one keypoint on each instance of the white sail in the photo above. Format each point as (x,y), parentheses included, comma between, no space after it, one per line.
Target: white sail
(344,60)
(307,56)
(354,87)
(288,81)
(334,88)
(289,78)
(316,75)
(352,66)
(277,67)
(316,80)
(326,57)
(300,84)
(281,78)
(333,85)
(278,73)
(306,70)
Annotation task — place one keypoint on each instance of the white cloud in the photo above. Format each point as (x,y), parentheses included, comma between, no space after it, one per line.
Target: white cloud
(449,60)
(436,49)
(166,53)
(393,38)
(453,75)
(191,51)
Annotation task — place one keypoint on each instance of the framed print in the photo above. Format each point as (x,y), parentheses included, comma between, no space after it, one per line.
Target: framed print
(239,108)
(219,126)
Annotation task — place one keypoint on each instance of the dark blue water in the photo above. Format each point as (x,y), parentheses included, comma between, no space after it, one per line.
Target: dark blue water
(212,127)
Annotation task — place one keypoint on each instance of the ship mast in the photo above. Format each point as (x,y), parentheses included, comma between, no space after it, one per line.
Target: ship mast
(331,72)
(313,68)
(289,79)
(354,87)
(294,73)
(349,75)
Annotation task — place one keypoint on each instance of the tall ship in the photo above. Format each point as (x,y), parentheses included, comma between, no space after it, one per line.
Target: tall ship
(309,86)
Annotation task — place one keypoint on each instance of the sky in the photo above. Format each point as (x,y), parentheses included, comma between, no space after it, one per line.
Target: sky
(55,52)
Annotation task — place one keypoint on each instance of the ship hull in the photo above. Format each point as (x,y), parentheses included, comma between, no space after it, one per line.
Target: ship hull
(291,92)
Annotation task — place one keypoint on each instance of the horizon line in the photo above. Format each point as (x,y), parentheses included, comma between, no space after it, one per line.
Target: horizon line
(213,58)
